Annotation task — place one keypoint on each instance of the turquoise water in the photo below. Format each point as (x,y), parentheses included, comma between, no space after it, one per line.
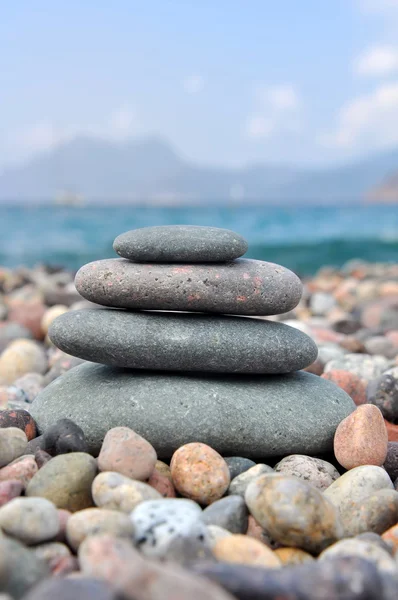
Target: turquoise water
(301,238)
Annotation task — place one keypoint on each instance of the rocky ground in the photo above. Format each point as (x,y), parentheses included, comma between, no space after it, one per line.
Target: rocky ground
(126,525)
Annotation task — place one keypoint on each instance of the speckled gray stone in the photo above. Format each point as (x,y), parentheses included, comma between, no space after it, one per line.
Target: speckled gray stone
(238,465)
(182,342)
(241,287)
(257,416)
(180,243)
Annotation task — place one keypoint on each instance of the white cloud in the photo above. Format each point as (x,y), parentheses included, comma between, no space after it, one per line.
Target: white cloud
(193,84)
(369,120)
(377,61)
(276,109)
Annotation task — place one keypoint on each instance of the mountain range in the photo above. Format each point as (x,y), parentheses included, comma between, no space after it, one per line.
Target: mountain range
(150,171)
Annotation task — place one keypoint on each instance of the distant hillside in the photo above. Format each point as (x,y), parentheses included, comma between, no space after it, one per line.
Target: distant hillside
(387,191)
(149,170)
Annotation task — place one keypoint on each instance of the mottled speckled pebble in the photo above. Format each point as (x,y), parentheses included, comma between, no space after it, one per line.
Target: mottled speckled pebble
(375,513)
(116,492)
(95,521)
(239,484)
(30,520)
(229,513)
(391,462)
(20,419)
(238,465)
(199,473)
(361,438)
(244,287)
(162,484)
(169,528)
(21,357)
(244,550)
(356,485)
(126,452)
(316,471)
(360,548)
(365,366)
(66,481)
(13,443)
(293,512)
(383,392)
(180,243)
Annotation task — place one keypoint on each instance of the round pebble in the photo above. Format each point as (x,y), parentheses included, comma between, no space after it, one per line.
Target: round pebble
(368,550)
(70,589)
(245,550)
(199,473)
(293,512)
(93,521)
(126,452)
(161,525)
(229,513)
(293,556)
(116,492)
(51,314)
(238,465)
(10,489)
(351,383)
(66,481)
(30,520)
(163,469)
(162,484)
(13,443)
(318,472)
(20,419)
(375,513)
(21,357)
(383,393)
(21,469)
(239,484)
(361,438)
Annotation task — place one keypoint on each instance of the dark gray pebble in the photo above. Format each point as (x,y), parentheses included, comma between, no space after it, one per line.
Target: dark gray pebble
(229,513)
(238,465)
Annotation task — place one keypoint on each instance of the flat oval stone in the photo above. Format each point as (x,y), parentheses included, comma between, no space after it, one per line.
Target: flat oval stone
(180,243)
(168,341)
(241,287)
(258,416)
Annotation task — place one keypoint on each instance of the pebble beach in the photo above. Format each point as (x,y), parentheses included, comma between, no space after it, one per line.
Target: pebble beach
(182,422)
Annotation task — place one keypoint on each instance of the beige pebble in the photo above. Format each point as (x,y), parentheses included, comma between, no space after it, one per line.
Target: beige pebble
(13,442)
(361,438)
(293,556)
(52,313)
(97,521)
(21,357)
(315,471)
(199,473)
(239,483)
(364,549)
(30,520)
(22,469)
(117,492)
(241,549)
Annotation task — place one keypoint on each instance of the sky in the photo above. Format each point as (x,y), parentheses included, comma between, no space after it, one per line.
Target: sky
(225,82)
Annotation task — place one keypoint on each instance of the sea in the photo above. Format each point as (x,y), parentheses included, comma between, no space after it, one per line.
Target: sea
(302,238)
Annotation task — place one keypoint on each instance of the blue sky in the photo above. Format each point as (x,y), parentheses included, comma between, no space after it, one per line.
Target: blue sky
(224,81)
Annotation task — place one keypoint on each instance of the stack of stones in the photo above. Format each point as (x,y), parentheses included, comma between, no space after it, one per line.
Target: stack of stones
(181,357)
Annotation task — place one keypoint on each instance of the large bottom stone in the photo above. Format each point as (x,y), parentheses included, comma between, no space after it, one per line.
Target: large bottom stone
(255,416)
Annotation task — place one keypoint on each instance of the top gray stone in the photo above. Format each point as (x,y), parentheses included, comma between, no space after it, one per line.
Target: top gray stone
(180,243)
(239,287)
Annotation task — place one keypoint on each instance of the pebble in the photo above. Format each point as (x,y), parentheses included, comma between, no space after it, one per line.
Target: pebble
(96,521)
(31,384)
(245,550)
(364,549)
(182,342)
(375,538)
(293,556)
(238,465)
(293,512)
(60,366)
(262,416)
(391,462)
(170,528)
(162,484)
(316,471)
(230,513)
(10,489)
(66,481)
(356,485)
(52,313)
(244,286)
(10,331)
(375,513)
(30,520)
(383,392)
(164,469)
(351,383)
(117,562)
(180,243)
(381,345)
(116,492)
(390,536)
(20,419)
(199,473)
(361,438)
(13,443)
(72,589)
(21,357)
(321,303)
(20,569)
(126,452)
(365,366)
(255,530)
(29,315)
(216,533)
(64,437)
(22,469)
(239,484)
(51,552)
